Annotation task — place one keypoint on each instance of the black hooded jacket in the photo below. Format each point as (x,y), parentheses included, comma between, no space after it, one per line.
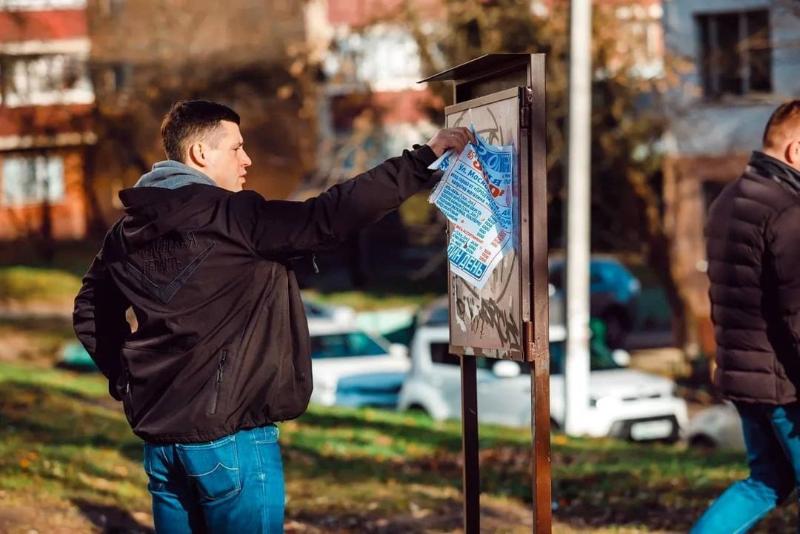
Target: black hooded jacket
(753,239)
(222,338)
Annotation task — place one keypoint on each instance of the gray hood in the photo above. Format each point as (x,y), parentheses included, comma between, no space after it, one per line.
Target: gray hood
(171,174)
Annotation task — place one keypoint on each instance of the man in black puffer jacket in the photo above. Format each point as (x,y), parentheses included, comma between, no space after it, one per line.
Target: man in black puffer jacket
(753,240)
(221,351)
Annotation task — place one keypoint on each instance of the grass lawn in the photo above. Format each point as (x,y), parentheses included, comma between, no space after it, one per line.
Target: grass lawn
(69,463)
(38,288)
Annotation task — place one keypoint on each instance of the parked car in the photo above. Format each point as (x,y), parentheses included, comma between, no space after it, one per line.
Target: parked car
(340,314)
(623,402)
(614,292)
(718,426)
(353,368)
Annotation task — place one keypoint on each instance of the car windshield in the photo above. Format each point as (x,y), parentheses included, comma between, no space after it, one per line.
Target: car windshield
(600,358)
(316,311)
(437,316)
(345,345)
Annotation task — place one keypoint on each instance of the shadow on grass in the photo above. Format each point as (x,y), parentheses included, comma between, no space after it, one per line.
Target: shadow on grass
(111,519)
(48,415)
(60,325)
(596,482)
(443,439)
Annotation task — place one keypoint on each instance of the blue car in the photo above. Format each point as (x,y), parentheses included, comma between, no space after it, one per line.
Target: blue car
(614,292)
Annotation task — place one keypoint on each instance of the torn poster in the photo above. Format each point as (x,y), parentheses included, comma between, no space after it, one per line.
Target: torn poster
(475,194)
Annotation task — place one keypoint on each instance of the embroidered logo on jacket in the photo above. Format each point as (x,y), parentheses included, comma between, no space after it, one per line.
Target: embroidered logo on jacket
(159,259)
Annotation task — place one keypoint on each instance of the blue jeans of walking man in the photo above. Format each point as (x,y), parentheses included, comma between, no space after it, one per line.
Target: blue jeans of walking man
(232,484)
(772,438)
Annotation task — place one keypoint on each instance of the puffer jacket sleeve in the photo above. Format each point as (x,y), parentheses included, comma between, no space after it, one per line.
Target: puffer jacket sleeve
(278,228)
(99,320)
(783,247)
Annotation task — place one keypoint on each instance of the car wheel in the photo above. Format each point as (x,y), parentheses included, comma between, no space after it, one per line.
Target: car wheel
(701,441)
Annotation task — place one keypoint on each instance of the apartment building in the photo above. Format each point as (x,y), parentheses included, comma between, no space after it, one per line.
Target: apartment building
(46,131)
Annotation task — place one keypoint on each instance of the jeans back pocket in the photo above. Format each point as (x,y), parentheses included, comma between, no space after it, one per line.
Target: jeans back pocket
(266,434)
(213,466)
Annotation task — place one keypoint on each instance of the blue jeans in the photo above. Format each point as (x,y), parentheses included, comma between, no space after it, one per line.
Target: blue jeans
(232,484)
(772,438)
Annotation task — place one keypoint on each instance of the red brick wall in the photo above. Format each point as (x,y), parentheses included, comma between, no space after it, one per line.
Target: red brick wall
(42,25)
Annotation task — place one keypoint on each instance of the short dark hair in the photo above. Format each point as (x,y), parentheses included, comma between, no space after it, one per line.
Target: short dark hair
(787,115)
(189,119)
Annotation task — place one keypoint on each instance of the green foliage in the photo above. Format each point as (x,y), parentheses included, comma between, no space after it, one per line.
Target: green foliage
(626,119)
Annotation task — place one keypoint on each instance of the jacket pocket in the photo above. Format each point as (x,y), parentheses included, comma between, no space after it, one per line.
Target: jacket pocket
(213,466)
(220,375)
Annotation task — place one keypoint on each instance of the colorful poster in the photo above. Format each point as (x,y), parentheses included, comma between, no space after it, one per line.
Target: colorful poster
(475,195)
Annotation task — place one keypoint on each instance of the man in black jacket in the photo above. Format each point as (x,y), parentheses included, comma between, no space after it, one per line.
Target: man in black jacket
(221,350)
(753,240)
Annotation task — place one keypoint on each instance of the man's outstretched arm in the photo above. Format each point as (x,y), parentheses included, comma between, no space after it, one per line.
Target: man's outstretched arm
(277,228)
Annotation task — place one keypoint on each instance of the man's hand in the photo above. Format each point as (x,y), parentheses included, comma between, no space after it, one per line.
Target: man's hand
(447,138)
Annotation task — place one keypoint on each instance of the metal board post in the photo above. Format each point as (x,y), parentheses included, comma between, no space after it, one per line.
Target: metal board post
(537,338)
(471,479)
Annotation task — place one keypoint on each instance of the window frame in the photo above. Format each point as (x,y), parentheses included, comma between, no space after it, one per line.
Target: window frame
(37,195)
(709,47)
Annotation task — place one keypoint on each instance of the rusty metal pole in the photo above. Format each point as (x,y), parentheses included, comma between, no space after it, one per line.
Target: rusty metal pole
(469,445)
(536,331)
(540,430)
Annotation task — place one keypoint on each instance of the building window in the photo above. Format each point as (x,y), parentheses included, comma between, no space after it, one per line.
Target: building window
(46,80)
(32,180)
(12,5)
(384,56)
(736,54)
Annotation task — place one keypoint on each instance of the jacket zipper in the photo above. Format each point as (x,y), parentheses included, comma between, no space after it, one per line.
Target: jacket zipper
(127,401)
(212,409)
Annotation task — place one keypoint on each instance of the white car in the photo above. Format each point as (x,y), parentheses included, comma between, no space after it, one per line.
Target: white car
(623,402)
(353,368)
(343,315)
(717,426)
